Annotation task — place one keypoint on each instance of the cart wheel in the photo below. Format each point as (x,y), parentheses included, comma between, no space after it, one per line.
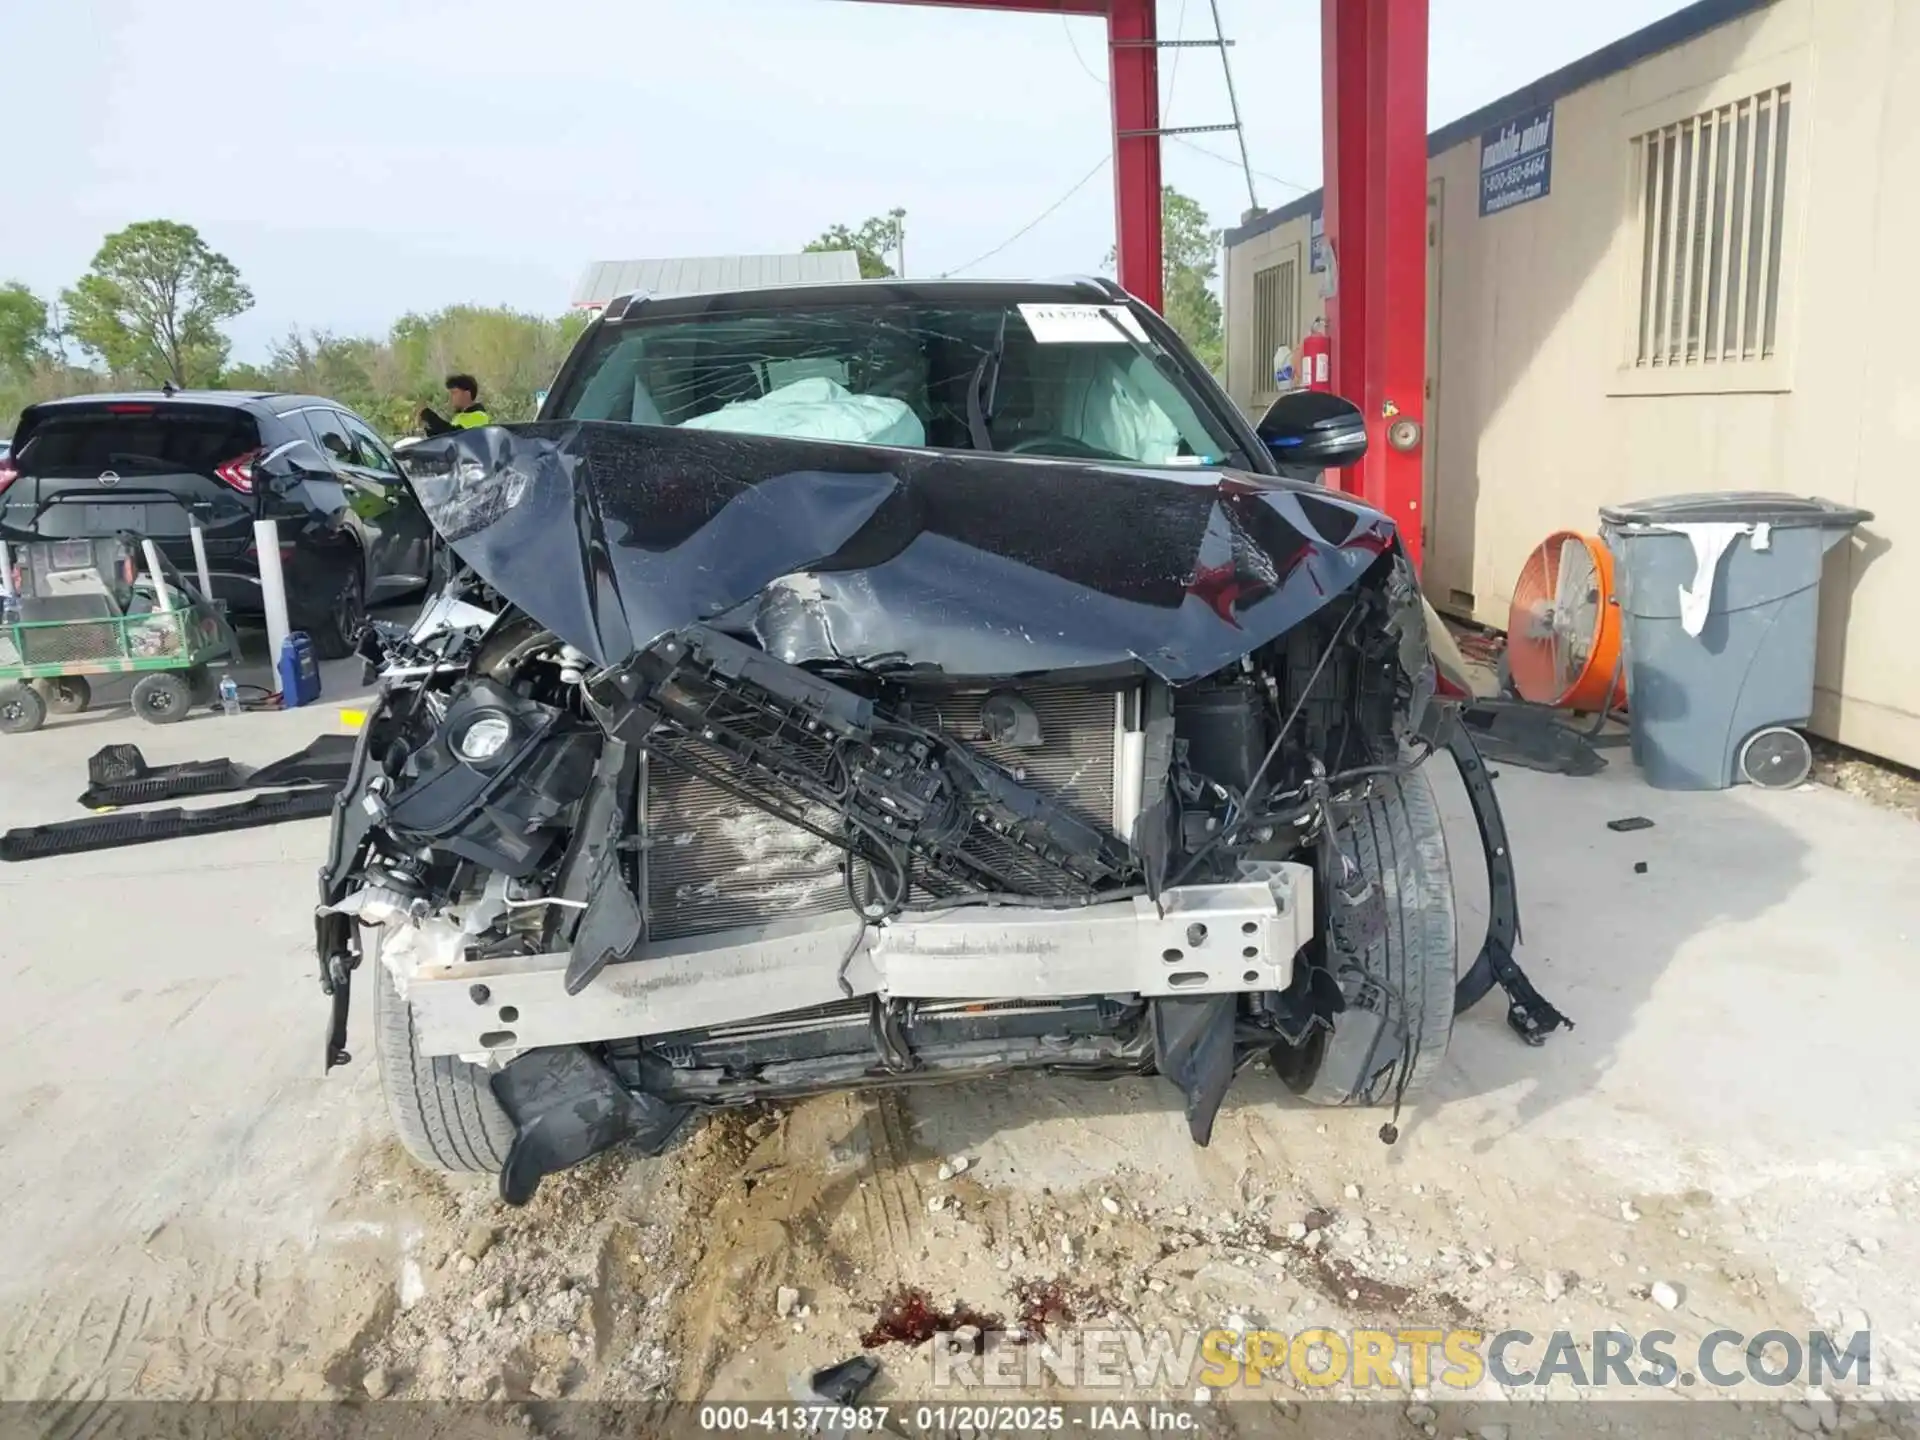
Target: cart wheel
(162,698)
(68,695)
(21,709)
(1776,758)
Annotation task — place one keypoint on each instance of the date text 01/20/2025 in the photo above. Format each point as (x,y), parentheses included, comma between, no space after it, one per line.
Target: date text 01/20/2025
(932,1420)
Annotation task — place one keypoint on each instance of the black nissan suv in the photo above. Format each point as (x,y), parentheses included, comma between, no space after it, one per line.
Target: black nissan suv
(350,532)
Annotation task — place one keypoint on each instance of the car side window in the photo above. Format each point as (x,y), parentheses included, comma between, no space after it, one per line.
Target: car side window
(330,434)
(368,451)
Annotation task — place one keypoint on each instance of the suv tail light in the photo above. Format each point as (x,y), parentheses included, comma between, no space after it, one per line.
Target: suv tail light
(9,472)
(237,473)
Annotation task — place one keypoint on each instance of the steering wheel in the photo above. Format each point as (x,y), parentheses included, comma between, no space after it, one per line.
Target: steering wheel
(1064,446)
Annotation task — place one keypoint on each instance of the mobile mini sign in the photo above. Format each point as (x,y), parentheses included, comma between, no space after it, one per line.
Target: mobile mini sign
(1516,162)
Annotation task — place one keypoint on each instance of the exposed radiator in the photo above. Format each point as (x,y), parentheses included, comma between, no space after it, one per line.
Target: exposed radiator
(714,862)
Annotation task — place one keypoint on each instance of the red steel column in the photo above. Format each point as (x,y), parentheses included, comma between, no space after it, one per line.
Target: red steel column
(1374,82)
(1134,67)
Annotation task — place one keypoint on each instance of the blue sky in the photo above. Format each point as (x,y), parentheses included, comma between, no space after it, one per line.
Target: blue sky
(362,158)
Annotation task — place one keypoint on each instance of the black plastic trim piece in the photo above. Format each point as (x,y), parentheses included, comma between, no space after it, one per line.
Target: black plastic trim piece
(567,1106)
(111,832)
(1531,1016)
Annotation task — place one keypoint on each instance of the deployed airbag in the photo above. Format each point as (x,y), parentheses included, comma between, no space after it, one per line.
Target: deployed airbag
(818,408)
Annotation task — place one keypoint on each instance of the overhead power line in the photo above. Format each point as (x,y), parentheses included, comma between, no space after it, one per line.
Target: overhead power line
(1074,190)
(1200,149)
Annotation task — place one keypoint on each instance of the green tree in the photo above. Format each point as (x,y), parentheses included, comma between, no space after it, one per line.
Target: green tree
(513,355)
(24,333)
(877,237)
(1189,266)
(152,303)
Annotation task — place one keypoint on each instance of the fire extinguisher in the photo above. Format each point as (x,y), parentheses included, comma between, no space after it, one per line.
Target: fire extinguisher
(1316,359)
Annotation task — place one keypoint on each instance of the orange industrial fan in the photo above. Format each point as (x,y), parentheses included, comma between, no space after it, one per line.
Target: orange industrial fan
(1563,630)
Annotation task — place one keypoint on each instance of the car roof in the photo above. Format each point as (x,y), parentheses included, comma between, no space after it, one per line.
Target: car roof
(279,402)
(1080,289)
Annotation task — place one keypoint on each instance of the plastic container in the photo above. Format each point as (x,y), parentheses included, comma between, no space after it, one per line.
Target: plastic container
(229,694)
(299,672)
(1720,598)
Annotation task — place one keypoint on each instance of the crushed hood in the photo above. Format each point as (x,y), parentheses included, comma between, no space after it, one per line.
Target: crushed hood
(964,565)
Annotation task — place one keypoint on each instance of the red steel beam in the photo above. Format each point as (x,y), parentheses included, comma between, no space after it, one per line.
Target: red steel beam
(1374,98)
(1134,65)
(1134,84)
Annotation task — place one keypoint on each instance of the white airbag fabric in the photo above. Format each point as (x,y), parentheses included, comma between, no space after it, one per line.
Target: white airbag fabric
(1112,412)
(818,408)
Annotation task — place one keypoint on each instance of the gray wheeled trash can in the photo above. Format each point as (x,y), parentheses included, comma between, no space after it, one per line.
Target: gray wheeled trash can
(1720,603)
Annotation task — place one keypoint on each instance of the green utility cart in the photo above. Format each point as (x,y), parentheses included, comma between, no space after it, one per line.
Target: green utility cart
(104,606)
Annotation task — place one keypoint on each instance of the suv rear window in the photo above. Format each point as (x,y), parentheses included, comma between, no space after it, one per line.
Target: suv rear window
(178,439)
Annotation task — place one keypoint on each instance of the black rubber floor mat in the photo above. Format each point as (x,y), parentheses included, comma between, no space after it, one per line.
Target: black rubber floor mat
(111,832)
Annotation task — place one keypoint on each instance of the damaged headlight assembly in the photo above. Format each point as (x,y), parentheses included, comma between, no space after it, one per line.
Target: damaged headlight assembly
(482,737)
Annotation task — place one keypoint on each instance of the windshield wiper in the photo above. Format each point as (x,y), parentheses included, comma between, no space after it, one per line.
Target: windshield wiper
(983,389)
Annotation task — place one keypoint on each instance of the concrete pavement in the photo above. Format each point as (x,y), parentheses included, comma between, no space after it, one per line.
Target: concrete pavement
(193,1209)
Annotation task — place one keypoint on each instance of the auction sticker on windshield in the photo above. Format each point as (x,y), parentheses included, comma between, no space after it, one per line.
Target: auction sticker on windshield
(1081,324)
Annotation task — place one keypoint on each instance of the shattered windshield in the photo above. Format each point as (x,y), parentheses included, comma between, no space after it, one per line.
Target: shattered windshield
(1068,381)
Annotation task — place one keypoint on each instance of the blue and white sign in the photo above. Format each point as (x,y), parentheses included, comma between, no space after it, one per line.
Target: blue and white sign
(1516,162)
(1317,244)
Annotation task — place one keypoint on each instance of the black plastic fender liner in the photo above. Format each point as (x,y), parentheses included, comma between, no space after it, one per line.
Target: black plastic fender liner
(1193,1047)
(110,832)
(1531,1017)
(566,1106)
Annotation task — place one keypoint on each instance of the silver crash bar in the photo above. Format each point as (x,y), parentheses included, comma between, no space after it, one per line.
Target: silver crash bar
(1199,940)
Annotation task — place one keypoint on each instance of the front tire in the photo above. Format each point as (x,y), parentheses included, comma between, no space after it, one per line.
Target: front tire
(443,1109)
(1404,955)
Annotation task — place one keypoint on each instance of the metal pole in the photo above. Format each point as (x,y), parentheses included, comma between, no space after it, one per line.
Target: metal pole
(273,592)
(160,594)
(1133,71)
(1233,101)
(200,565)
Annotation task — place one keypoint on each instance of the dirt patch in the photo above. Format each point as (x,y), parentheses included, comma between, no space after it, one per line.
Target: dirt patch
(1890,786)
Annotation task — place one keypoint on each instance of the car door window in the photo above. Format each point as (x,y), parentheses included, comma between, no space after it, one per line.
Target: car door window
(369,452)
(330,434)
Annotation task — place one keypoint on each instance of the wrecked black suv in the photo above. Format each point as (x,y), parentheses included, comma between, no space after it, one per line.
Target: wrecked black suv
(896,682)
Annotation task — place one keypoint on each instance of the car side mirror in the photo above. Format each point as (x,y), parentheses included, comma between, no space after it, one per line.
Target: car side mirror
(1314,430)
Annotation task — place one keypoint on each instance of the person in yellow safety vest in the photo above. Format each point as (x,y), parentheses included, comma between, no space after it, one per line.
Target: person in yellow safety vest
(463,391)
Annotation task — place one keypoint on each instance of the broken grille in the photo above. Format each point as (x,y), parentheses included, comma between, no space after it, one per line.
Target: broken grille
(716,862)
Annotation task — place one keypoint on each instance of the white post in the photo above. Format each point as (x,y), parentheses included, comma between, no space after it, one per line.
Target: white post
(6,569)
(200,561)
(162,595)
(273,593)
